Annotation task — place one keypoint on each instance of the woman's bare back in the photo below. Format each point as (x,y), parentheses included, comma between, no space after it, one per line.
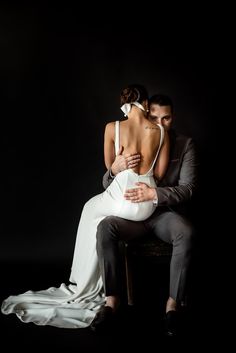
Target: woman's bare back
(141,137)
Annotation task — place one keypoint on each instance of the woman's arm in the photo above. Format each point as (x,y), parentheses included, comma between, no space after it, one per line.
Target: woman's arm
(163,158)
(109,145)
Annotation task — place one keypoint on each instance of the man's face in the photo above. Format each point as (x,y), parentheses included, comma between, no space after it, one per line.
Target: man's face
(161,115)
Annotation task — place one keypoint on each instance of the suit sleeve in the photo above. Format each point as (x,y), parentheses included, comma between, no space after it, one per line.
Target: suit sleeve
(107,179)
(187,183)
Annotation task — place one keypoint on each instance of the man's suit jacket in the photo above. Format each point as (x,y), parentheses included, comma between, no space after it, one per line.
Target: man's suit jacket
(180,180)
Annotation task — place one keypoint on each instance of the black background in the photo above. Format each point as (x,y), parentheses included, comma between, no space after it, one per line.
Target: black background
(62,70)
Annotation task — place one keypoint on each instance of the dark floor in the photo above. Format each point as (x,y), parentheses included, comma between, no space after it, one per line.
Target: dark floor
(139,326)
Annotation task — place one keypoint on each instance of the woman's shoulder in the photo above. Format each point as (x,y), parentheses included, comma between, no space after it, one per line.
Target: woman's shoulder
(109,129)
(110,125)
(151,126)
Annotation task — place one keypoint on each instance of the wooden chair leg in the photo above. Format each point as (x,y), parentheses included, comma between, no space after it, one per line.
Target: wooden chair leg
(129,276)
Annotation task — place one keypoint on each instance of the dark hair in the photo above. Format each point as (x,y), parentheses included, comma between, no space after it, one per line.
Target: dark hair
(133,93)
(161,99)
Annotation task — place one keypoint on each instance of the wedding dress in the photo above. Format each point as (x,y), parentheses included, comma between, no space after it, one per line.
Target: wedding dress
(74,305)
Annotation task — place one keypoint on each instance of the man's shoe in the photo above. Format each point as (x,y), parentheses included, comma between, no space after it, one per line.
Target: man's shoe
(103,319)
(172,323)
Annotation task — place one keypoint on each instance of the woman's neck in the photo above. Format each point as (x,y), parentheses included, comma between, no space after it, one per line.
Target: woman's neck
(136,114)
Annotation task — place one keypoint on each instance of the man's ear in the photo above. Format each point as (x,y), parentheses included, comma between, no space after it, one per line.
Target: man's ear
(145,104)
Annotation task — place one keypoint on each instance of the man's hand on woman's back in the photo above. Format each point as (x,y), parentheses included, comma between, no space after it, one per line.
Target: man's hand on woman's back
(123,162)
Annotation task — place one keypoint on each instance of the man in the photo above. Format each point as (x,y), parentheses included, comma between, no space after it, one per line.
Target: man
(167,223)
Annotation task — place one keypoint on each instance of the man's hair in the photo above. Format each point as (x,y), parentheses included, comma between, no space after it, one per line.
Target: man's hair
(161,99)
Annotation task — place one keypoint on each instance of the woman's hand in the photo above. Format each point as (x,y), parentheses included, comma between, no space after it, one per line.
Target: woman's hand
(123,162)
(140,194)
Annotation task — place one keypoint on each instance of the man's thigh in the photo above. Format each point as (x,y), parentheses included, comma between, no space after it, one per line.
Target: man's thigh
(167,225)
(127,230)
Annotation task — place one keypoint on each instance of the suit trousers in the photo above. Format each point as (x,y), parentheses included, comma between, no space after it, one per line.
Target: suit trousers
(167,225)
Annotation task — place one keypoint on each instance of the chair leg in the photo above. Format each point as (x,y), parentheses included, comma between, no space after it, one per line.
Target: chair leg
(129,276)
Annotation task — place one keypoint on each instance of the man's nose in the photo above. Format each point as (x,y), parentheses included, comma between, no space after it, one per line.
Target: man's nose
(159,121)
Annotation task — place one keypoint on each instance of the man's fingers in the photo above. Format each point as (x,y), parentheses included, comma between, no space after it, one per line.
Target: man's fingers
(132,191)
(132,161)
(132,164)
(142,186)
(133,198)
(130,195)
(132,158)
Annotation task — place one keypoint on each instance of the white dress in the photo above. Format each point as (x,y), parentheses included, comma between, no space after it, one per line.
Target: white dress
(74,305)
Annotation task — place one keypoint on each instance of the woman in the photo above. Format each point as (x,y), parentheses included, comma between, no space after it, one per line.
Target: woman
(75,305)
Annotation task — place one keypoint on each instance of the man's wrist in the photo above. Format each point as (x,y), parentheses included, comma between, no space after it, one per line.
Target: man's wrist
(155,197)
(111,174)
(114,171)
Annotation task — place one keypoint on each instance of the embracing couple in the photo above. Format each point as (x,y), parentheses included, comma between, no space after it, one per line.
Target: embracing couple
(151,175)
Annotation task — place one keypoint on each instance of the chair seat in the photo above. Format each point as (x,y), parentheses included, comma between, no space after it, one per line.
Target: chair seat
(149,247)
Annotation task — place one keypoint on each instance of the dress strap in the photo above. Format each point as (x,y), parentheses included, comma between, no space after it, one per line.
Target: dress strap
(117,136)
(160,144)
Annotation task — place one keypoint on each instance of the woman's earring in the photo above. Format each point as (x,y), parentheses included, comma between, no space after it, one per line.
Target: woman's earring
(147,110)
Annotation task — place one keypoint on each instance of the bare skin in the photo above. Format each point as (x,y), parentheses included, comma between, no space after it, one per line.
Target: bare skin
(158,115)
(124,161)
(137,134)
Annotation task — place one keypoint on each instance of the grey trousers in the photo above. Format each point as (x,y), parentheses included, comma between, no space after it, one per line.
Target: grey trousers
(168,226)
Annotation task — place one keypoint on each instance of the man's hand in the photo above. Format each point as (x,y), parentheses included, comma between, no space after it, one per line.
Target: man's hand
(123,162)
(142,193)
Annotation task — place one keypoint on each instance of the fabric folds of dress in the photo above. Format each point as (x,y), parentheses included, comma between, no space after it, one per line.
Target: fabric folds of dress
(74,305)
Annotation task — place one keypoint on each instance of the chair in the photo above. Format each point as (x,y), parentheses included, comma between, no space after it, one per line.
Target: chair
(145,247)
